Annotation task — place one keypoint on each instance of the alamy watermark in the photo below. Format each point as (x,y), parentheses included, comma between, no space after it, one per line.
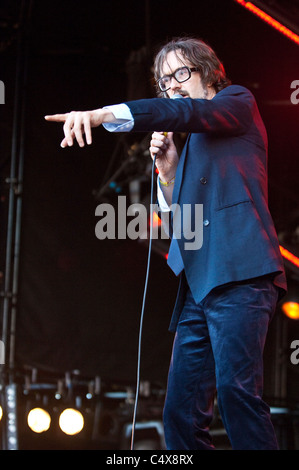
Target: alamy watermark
(294,357)
(2,92)
(2,353)
(295,94)
(131,222)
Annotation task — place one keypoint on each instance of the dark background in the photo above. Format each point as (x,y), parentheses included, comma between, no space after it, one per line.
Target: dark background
(79,299)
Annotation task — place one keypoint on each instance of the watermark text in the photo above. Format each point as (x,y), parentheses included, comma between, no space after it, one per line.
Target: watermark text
(295,94)
(2,92)
(294,357)
(131,222)
(2,353)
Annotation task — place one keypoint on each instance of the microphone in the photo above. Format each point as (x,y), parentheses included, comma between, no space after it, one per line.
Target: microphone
(176,96)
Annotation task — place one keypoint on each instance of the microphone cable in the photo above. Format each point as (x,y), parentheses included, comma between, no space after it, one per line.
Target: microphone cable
(175,96)
(143,305)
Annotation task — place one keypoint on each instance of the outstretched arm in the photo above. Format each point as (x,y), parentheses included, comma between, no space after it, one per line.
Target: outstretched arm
(78,123)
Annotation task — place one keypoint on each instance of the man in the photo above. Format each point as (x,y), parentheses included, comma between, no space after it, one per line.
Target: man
(230,286)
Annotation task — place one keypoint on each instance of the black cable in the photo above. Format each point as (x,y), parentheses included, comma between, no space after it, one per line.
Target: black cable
(143,304)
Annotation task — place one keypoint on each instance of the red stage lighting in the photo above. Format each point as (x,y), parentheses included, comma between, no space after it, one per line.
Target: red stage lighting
(289,256)
(270,20)
(291,310)
(156,220)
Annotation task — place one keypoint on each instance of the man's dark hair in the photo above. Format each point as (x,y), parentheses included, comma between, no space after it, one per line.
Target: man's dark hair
(198,54)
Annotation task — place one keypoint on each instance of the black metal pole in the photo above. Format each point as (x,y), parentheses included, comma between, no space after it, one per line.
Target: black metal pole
(12,255)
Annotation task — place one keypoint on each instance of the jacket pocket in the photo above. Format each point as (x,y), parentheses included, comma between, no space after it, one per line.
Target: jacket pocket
(233,204)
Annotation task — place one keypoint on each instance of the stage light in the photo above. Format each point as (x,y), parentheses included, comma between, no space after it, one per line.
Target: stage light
(291,310)
(71,421)
(289,256)
(290,303)
(156,220)
(1,413)
(270,20)
(38,420)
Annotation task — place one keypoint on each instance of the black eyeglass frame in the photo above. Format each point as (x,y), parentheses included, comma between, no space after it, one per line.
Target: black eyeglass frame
(190,70)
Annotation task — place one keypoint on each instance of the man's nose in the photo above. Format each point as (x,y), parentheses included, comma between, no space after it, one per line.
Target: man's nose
(174,84)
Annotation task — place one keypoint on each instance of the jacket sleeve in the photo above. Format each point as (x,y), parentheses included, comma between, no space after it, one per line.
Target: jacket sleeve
(229,112)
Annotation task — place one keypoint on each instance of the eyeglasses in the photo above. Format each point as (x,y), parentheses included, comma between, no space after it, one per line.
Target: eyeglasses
(181,75)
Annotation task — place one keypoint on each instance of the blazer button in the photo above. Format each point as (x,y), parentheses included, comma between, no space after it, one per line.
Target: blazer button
(206,222)
(203,180)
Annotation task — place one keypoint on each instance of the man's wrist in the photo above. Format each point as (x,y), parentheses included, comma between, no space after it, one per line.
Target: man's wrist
(166,177)
(106,115)
(166,181)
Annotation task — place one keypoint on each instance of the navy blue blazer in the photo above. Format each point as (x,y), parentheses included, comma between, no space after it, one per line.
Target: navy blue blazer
(224,167)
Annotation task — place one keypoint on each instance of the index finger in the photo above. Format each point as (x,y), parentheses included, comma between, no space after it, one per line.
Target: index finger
(157,135)
(57,117)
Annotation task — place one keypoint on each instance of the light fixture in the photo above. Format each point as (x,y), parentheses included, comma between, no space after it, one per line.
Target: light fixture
(270,20)
(71,421)
(38,420)
(291,310)
(290,303)
(289,256)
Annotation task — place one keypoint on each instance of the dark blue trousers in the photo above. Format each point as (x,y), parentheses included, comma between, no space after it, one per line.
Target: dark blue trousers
(218,348)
